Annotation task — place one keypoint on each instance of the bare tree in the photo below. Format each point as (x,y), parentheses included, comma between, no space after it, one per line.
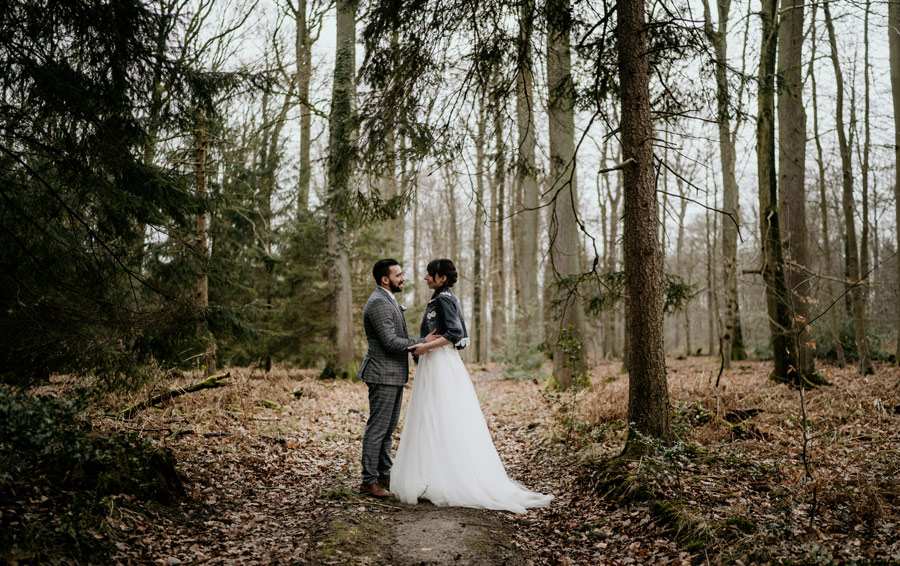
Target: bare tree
(864,160)
(792,172)
(717,37)
(308,25)
(609,216)
(477,332)
(823,200)
(856,292)
(783,350)
(340,170)
(202,247)
(498,234)
(565,244)
(894,48)
(679,248)
(527,192)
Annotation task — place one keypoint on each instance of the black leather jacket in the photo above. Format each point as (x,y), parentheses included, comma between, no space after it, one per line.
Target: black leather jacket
(445,315)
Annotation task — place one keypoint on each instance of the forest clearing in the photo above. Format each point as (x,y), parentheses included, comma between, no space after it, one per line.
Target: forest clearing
(270,467)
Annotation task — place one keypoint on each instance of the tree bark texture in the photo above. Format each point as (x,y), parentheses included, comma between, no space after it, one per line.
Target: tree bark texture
(894,58)
(565,244)
(202,288)
(783,350)
(823,199)
(498,235)
(864,166)
(477,335)
(526,177)
(340,170)
(856,292)
(718,39)
(648,396)
(304,73)
(792,174)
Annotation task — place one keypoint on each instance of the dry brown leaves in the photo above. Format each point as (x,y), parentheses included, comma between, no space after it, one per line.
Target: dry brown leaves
(272,467)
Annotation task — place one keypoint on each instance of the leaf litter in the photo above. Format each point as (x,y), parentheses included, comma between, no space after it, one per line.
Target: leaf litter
(271,470)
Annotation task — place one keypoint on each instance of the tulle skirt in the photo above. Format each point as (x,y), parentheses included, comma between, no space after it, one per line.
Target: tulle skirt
(446,453)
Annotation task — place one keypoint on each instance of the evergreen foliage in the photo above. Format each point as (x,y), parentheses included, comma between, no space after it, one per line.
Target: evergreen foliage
(77,197)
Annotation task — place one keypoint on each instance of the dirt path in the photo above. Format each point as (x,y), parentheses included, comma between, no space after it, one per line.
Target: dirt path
(272,469)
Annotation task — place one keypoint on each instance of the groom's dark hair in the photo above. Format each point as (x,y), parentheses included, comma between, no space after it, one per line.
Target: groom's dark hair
(383,269)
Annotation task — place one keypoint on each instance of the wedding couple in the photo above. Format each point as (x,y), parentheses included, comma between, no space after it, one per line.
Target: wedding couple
(446,454)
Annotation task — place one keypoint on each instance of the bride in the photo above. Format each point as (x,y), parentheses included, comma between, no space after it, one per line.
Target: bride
(446,454)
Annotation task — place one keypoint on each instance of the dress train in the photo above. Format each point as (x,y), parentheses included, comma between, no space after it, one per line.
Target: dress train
(446,452)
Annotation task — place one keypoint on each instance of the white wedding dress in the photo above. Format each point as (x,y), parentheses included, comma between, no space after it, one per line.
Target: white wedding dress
(446,453)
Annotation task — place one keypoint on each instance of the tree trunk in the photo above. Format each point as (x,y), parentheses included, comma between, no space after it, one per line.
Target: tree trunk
(477,334)
(783,350)
(612,257)
(526,179)
(679,251)
(727,156)
(304,73)
(867,142)
(648,396)
(894,57)
(609,207)
(856,293)
(792,173)
(392,188)
(712,302)
(565,245)
(202,292)
(823,199)
(498,236)
(340,171)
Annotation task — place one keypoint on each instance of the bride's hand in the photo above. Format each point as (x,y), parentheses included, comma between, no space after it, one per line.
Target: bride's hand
(418,349)
(432,336)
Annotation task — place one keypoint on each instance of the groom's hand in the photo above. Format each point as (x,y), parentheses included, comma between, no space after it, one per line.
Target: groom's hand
(418,349)
(432,336)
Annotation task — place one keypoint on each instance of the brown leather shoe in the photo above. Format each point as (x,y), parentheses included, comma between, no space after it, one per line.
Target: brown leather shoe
(385,483)
(374,490)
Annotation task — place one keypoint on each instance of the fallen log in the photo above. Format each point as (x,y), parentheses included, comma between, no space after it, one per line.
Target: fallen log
(210,382)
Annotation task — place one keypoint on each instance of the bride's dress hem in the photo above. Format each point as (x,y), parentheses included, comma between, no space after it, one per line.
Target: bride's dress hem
(446,453)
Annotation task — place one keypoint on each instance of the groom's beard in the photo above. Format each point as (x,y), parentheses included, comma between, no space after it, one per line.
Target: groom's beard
(395,288)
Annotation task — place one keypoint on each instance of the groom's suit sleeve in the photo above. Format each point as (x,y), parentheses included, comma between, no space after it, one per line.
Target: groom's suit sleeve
(383,313)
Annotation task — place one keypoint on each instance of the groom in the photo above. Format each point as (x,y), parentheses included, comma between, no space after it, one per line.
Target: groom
(384,370)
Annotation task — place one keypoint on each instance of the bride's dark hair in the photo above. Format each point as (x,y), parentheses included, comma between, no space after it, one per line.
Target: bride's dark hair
(445,267)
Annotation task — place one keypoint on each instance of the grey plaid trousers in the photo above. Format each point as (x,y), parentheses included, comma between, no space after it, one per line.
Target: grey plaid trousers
(384,413)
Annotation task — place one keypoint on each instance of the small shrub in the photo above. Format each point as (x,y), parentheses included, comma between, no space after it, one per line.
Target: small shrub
(65,474)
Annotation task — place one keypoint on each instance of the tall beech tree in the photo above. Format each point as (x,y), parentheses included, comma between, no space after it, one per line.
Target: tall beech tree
(565,245)
(498,232)
(527,191)
(201,242)
(783,349)
(894,58)
(648,395)
(341,159)
(823,204)
(792,177)
(853,268)
(732,344)
(308,25)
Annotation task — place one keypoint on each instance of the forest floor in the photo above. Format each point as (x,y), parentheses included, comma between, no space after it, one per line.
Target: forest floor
(271,468)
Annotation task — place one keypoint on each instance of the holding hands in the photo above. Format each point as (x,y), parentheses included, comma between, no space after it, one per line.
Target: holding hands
(432,340)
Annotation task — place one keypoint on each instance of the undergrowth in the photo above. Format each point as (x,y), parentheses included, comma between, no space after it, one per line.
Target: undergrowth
(60,479)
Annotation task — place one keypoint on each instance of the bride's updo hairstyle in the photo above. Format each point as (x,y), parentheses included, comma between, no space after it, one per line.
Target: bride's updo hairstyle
(442,267)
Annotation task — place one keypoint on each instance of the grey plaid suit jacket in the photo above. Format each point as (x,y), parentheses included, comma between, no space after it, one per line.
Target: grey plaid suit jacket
(387,359)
